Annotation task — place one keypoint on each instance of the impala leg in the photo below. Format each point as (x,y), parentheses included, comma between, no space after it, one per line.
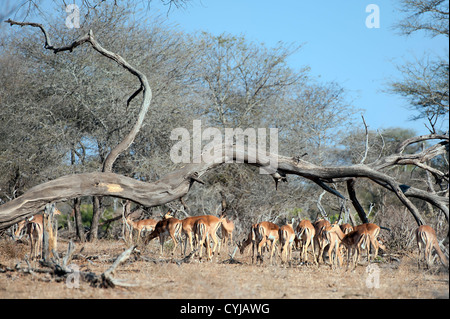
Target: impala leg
(260,245)
(254,250)
(428,254)
(272,252)
(208,247)
(216,242)
(313,250)
(175,244)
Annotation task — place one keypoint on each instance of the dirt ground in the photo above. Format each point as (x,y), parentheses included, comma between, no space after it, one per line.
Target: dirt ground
(389,278)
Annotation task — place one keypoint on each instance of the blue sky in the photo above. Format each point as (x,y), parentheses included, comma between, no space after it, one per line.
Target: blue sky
(337,44)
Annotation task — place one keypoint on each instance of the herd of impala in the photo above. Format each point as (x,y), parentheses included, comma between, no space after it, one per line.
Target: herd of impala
(320,236)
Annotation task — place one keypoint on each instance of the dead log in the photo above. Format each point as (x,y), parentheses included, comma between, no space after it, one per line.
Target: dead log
(176,184)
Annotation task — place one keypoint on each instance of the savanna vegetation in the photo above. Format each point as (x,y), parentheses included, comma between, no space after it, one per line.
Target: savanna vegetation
(99,106)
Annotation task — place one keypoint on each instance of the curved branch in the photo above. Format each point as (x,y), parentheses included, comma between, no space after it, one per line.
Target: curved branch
(418,159)
(416,139)
(177,184)
(145,86)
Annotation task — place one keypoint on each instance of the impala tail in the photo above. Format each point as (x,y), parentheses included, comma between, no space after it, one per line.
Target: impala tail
(364,241)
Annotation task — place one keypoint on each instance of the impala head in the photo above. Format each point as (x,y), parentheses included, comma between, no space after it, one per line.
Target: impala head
(331,228)
(128,218)
(222,218)
(168,215)
(241,246)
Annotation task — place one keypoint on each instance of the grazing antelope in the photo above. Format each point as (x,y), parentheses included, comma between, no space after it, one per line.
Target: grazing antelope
(353,241)
(35,229)
(334,251)
(251,239)
(320,240)
(426,240)
(346,228)
(286,236)
(227,228)
(305,234)
(205,228)
(140,225)
(264,232)
(168,226)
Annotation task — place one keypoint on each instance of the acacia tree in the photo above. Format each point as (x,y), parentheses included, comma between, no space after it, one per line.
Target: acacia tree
(425,83)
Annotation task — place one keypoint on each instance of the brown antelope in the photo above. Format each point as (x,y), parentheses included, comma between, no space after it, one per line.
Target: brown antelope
(305,234)
(227,228)
(353,241)
(346,228)
(168,226)
(286,236)
(187,230)
(373,231)
(334,245)
(140,225)
(251,239)
(320,240)
(264,232)
(426,240)
(205,228)
(35,230)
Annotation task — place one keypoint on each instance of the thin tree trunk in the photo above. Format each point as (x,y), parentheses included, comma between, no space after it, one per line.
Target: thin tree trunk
(96,213)
(78,220)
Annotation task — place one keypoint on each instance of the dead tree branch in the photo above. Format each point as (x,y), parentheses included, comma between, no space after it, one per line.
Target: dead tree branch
(176,184)
(144,85)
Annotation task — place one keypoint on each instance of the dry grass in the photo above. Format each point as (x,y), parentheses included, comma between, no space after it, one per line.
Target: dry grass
(216,280)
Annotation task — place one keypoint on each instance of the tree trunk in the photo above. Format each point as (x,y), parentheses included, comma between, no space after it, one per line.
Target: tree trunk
(97,210)
(78,219)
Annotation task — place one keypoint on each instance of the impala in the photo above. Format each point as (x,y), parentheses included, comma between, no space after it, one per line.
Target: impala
(251,239)
(320,240)
(334,245)
(227,228)
(353,241)
(35,230)
(346,228)
(286,236)
(305,234)
(187,230)
(373,231)
(140,225)
(426,240)
(168,226)
(37,219)
(205,228)
(264,232)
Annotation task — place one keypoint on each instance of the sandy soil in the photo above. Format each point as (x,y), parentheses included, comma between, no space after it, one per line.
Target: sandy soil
(387,279)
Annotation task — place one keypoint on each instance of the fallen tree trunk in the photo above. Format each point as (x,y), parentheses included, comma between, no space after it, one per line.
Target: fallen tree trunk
(176,184)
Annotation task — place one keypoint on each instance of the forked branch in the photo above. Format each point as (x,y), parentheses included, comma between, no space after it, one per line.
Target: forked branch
(144,85)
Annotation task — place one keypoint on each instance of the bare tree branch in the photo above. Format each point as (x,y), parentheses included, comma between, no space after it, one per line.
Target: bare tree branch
(145,86)
(177,184)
